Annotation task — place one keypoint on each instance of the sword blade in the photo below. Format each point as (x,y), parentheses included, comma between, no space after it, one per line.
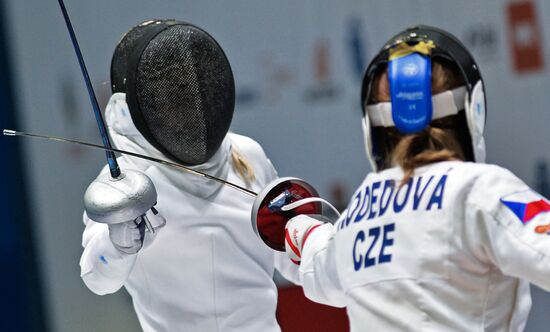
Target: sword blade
(8,132)
(111,160)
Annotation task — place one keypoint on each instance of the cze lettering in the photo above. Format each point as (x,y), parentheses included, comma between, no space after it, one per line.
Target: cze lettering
(376,245)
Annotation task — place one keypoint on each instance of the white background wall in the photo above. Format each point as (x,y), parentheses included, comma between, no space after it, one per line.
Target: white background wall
(270,45)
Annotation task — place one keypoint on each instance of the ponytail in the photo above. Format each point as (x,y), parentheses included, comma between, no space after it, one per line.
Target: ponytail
(426,147)
(242,167)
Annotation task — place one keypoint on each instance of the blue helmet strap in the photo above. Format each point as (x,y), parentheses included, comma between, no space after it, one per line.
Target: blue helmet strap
(410,78)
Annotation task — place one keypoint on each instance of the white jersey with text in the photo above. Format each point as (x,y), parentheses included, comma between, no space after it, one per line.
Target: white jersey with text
(454,248)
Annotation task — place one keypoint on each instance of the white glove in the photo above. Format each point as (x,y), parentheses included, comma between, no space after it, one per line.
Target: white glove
(297,230)
(129,236)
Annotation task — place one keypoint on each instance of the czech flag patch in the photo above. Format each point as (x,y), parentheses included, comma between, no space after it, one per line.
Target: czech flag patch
(526,205)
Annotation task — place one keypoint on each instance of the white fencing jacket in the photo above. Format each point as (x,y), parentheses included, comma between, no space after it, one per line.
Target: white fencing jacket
(206,270)
(451,250)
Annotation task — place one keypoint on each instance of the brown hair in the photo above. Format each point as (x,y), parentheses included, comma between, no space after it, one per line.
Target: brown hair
(444,139)
(242,166)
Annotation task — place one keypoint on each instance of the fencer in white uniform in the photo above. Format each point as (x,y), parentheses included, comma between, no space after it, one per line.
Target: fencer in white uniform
(450,246)
(203,270)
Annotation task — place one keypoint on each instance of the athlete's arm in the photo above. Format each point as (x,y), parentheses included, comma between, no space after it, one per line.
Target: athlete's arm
(286,268)
(103,268)
(310,243)
(513,223)
(124,207)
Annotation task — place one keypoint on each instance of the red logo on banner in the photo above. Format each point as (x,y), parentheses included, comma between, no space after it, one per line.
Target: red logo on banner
(524,35)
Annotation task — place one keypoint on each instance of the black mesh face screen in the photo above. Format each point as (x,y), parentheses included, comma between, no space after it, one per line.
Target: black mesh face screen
(185,91)
(181,90)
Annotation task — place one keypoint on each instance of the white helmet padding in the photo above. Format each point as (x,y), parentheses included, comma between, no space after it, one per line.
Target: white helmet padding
(446,103)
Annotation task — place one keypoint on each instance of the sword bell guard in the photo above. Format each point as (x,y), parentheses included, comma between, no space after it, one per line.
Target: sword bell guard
(268,217)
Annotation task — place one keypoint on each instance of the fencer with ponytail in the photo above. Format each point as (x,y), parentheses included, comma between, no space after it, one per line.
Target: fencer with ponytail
(440,141)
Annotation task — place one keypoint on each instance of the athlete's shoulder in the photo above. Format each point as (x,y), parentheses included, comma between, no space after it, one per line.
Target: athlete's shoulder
(476,172)
(489,174)
(247,146)
(254,153)
(492,183)
(486,168)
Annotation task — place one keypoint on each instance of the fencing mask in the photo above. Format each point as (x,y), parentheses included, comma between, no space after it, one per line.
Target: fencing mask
(407,57)
(179,88)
